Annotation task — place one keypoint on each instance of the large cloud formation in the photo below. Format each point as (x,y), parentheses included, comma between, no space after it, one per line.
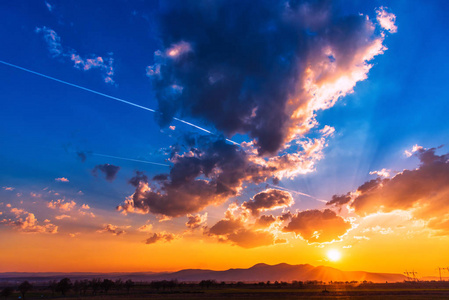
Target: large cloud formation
(262,70)
(424,191)
(316,226)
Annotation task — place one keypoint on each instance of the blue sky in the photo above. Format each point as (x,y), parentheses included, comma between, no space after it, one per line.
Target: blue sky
(43,123)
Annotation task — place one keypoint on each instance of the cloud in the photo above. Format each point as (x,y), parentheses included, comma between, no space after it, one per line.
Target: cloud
(145,228)
(81,155)
(318,226)
(286,61)
(195,221)
(109,170)
(91,61)
(269,199)
(61,204)
(115,230)
(204,175)
(156,237)
(237,229)
(49,6)
(265,221)
(423,191)
(414,149)
(8,188)
(52,39)
(30,225)
(386,20)
(197,179)
(382,173)
(61,217)
(339,199)
(85,206)
(62,179)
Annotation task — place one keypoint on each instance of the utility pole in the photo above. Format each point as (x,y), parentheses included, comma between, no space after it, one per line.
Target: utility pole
(442,269)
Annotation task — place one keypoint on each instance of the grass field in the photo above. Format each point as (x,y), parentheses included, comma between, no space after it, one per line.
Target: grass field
(339,291)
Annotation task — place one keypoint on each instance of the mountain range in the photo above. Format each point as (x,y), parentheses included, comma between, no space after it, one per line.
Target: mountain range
(257,273)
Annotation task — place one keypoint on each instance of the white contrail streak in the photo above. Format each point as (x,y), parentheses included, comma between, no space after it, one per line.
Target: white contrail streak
(131,159)
(106,95)
(296,192)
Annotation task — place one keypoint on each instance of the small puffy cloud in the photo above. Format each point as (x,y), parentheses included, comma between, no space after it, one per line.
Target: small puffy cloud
(30,225)
(8,188)
(269,199)
(145,228)
(61,204)
(115,230)
(386,20)
(110,171)
(172,127)
(18,211)
(195,221)
(62,179)
(156,237)
(85,206)
(318,226)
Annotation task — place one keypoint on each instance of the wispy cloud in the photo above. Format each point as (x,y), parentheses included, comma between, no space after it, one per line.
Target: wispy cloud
(90,61)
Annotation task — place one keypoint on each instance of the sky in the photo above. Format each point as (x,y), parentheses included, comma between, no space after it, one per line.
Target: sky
(158,136)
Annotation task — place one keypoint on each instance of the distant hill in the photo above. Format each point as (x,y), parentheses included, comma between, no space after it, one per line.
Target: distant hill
(257,273)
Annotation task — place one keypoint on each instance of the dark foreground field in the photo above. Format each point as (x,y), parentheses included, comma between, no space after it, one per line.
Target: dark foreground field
(421,290)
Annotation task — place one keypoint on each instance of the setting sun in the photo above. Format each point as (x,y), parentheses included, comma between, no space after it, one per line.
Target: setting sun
(334,255)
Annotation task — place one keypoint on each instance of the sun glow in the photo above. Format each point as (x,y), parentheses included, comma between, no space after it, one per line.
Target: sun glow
(334,255)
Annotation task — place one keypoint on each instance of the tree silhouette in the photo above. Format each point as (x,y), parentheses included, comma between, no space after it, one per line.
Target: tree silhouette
(106,285)
(119,284)
(24,287)
(128,285)
(95,284)
(6,292)
(52,286)
(64,285)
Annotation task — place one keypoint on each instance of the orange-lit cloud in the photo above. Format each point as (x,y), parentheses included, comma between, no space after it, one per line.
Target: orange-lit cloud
(423,191)
(30,225)
(318,226)
(157,237)
(115,230)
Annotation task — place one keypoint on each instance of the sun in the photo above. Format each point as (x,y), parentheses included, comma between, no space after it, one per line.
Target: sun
(333,255)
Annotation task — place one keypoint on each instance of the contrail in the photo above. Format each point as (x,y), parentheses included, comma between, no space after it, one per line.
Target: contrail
(107,96)
(131,159)
(296,192)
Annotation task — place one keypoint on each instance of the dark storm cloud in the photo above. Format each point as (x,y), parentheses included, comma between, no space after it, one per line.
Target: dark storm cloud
(110,171)
(246,67)
(197,179)
(318,226)
(424,190)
